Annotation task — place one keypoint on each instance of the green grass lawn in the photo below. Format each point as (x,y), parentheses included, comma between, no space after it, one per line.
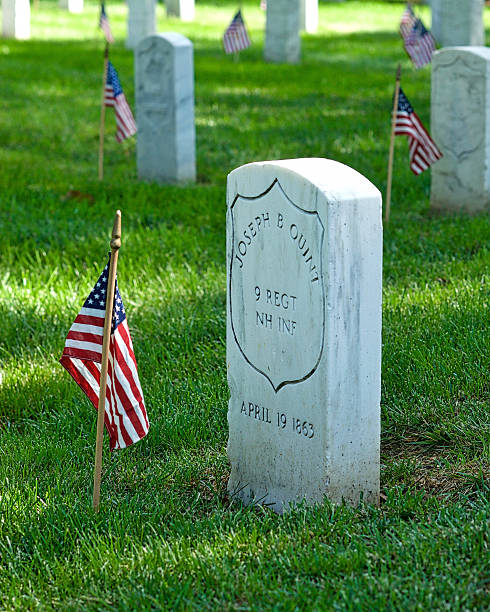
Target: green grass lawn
(168,536)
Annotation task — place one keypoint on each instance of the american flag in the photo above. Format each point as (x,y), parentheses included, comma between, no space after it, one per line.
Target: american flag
(423,151)
(236,37)
(114,96)
(407,22)
(125,414)
(104,24)
(420,44)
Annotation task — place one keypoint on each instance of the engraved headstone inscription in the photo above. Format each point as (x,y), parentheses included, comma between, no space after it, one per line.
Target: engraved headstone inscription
(16,19)
(460,125)
(141,21)
(304,255)
(164,75)
(181,8)
(282,40)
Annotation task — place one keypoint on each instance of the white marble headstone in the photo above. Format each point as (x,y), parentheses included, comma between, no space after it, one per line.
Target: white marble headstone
(309,15)
(282,40)
(435,6)
(141,21)
(458,22)
(304,264)
(16,19)
(460,126)
(72,6)
(181,8)
(166,142)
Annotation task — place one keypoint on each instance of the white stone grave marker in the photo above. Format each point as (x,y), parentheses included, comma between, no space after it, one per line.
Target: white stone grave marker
(72,6)
(282,40)
(164,74)
(460,126)
(141,21)
(181,8)
(435,6)
(309,15)
(16,19)
(304,264)
(458,22)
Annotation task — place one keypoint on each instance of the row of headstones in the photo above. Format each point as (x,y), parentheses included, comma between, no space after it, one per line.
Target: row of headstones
(16,16)
(460,121)
(141,16)
(454,22)
(285,18)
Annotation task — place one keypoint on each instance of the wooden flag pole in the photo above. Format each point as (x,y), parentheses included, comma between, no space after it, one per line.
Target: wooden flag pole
(392,144)
(111,284)
(102,115)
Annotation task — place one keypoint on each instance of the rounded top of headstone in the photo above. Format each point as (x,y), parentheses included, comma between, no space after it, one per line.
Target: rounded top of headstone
(450,52)
(333,179)
(173,39)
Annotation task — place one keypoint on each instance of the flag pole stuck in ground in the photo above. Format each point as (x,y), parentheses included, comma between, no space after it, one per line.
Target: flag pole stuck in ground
(392,144)
(99,355)
(102,114)
(111,283)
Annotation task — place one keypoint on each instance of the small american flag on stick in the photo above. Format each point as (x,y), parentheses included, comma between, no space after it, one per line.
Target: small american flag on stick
(420,44)
(114,96)
(407,22)
(105,25)
(125,415)
(423,150)
(236,38)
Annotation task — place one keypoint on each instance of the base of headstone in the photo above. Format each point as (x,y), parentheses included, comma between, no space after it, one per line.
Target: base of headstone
(16,19)
(460,126)
(304,266)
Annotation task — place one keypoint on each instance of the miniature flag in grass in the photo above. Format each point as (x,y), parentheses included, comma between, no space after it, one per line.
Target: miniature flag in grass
(420,44)
(423,151)
(236,37)
(125,414)
(104,24)
(407,22)
(114,96)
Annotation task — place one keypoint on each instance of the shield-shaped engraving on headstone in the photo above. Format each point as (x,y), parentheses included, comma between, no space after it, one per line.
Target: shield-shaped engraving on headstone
(277,301)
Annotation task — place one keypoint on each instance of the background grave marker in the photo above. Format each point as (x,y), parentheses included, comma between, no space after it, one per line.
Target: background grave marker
(282,41)
(72,6)
(309,15)
(184,9)
(458,22)
(141,21)
(16,19)
(460,121)
(164,73)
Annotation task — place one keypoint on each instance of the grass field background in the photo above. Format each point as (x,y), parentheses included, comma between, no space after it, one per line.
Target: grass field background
(167,535)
